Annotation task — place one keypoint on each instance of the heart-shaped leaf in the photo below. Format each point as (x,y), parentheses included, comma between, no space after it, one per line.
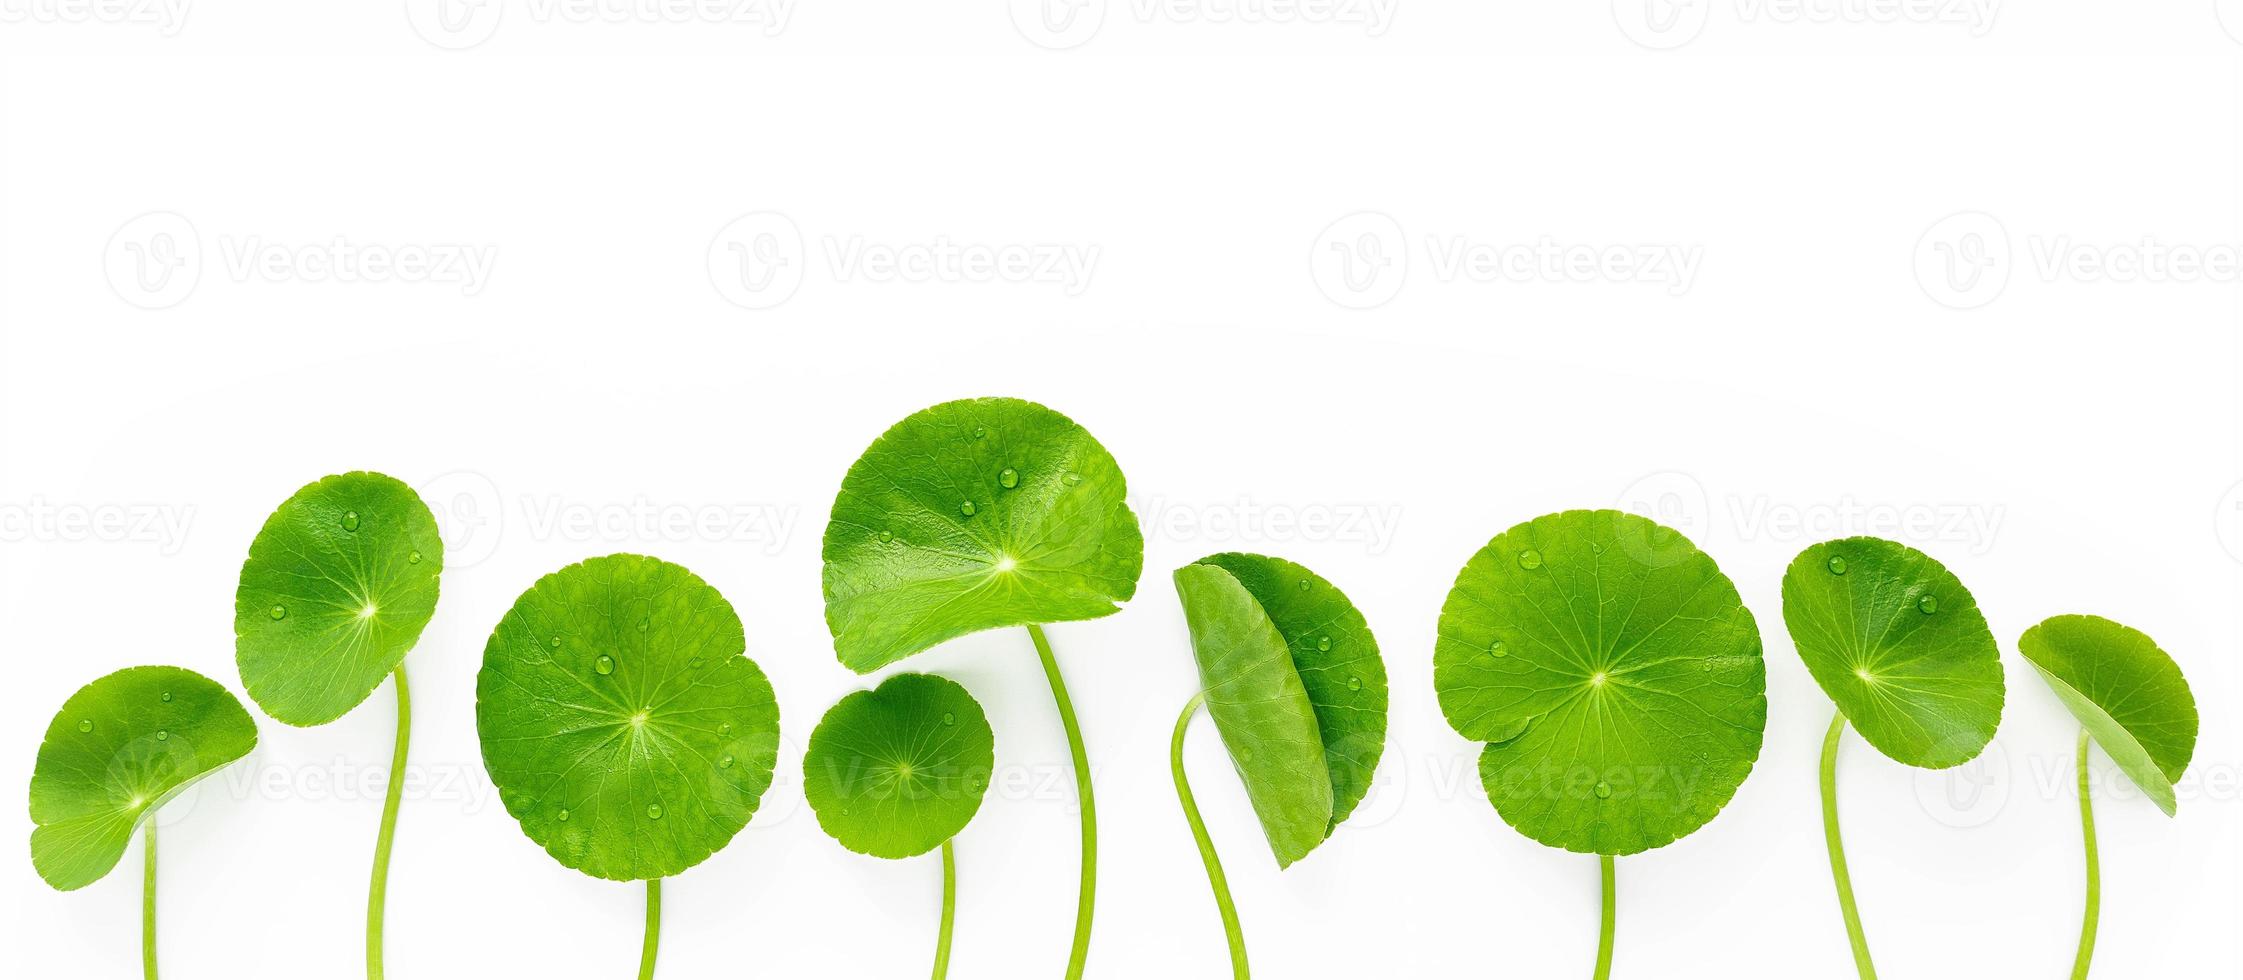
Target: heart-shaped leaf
(1292,677)
(620,719)
(973,515)
(1894,638)
(895,771)
(2127,693)
(119,748)
(335,592)
(1616,673)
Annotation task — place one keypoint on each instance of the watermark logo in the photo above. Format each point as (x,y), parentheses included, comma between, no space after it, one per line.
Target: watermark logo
(1058,24)
(1970,795)
(760,260)
(756,261)
(1963,261)
(1249,523)
(154,261)
(470,516)
(454,25)
(2227,521)
(1360,261)
(1661,25)
(1679,501)
(2230,15)
(168,17)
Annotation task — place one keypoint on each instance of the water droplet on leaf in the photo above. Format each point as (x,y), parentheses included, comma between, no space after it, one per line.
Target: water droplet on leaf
(949,718)
(1354,683)
(654,811)
(1604,791)
(280,612)
(966,508)
(604,665)
(413,559)
(724,763)
(1323,643)
(85,726)
(163,736)
(1928,604)
(1530,559)
(350,520)
(167,697)
(1836,565)
(1008,479)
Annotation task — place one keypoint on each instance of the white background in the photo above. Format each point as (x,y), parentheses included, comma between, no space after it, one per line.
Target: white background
(1842,359)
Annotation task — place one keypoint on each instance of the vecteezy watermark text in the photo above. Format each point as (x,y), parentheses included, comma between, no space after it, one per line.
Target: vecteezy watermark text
(1361,261)
(155,261)
(1967,259)
(41,520)
(759,260)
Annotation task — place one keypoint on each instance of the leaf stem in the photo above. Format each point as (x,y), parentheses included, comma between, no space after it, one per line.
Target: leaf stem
(377,892)
(1611,908)
(1086,894)
(1838,849)
(148,901)
(653,928)
(949,910)
(1207,856)
(2094,869)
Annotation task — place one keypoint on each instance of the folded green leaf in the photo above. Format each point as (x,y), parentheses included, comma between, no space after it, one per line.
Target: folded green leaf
(895,771)
(1616,674)
(336,590)
(622,723)
(1294,683)
(1894,638)
(973,515)
(119,748)
(2127,693)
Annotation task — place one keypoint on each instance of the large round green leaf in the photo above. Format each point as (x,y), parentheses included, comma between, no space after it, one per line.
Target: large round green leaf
(1614,670)
(973,515)
(1292,678)
(620,720)
(1894,638)
(2127,693)
(118,749)
(335,592)
(895,771)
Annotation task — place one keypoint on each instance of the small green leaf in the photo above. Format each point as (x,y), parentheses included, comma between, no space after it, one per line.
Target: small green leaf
(622,723)
(1294,683)
(2127,693)
(1616,674)
(895,771)
(973,515)
(1894,638)
(336,590)
(119,748)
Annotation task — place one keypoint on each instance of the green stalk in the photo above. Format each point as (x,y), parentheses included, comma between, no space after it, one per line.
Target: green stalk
(1086,894)
(1207,856)
(1838,849)
(377,893)
(1611,903)
(949,910)
(148,902)
(2094,869)
(653,928)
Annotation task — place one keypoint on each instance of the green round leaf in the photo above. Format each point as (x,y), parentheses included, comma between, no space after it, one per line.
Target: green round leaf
(1894,638)
(118,749)
(335,592)
(973,515)
(895,771)
(1294,683)
(1616,672)
(2127,693)
(620,720)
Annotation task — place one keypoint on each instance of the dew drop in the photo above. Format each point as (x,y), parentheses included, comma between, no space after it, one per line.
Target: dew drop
(563,815)
(1323,643)
(1530,559)
(413,559)
(980,431)
(966,508)
(724,763)
(949,718)
(350,520)
(886,536)
(1604,791)
(1499,649)
(1354,683)
(724,728)
(604,665)
(1073,478)
(644,623)
(167,697)
(1836,565)
(1008,479)
(555,643)
(280,612)
(1304,585)
(85,726)
(654,811)
(163,736)
(1928,604)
